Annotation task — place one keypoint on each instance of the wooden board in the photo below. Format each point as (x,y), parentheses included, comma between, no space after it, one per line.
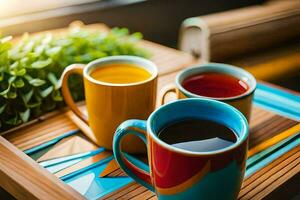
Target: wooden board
(212,36)
(264,125)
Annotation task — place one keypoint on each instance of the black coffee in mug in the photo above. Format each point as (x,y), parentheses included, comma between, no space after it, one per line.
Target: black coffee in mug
(198,135)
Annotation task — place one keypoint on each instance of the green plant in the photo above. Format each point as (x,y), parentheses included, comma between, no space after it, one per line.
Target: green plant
(30,70)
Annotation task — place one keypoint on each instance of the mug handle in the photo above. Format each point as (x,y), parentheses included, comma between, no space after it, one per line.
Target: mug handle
(170,88)
(78,69)
(135,170)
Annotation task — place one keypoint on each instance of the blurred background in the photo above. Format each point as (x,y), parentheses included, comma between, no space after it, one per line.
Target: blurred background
(158,20)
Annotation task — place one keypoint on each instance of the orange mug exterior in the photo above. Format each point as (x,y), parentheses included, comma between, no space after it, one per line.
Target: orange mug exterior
(108,105)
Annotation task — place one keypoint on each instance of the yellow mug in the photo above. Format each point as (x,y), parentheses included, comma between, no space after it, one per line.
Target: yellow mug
(109,104)
(242,102)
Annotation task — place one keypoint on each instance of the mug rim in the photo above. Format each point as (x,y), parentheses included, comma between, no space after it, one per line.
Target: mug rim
(215,67)
(240,139)
(121,58)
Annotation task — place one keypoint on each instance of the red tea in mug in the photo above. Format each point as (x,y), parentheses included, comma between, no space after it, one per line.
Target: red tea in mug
(216,85)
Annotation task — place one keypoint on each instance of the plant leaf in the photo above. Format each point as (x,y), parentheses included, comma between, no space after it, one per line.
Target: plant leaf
(12,94)
(2,108)
(11,79)
(4,92)
(28,46)
(35,102)
(37,82)
(14,121)
(26,97)
(56,96)
(6,39)
(25,115)
(1,76)
(14,65)
(18,72)
(41,63)
(52,78)
(44,93)
(47,38)
(53,51)
(28,77)
(18,83)
(39,49)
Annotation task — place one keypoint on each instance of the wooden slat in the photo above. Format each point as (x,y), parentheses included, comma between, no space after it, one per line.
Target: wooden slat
(259,115)
(269,128)
(145,195)
(134,193)
(248,183)
(273,173)
(277,183)
(41,132)
(120,193)
(138,188)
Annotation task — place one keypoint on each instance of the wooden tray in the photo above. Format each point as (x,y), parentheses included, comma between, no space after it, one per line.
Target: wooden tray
(25,179)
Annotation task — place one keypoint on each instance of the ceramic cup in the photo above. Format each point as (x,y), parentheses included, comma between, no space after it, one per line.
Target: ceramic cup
(109,104)
(180,174)
(242,102)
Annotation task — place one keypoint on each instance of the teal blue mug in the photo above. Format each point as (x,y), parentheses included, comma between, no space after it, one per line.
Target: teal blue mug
(181,174)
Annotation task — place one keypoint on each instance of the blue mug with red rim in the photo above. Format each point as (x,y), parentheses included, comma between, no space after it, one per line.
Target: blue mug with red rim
(181,174)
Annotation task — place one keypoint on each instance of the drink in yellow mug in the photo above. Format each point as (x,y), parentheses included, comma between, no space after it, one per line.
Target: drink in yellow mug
(117,88)
(217,81)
